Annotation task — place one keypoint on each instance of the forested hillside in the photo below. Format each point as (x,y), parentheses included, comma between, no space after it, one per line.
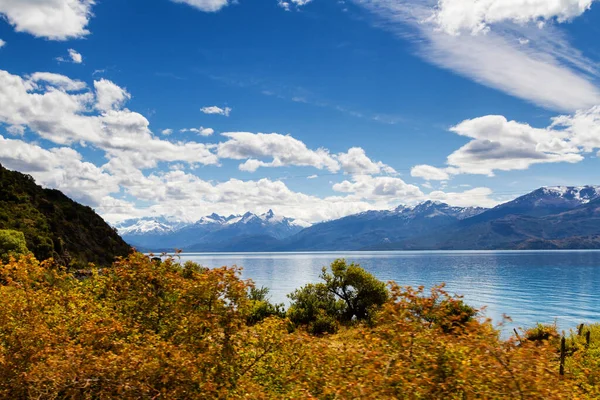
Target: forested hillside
(54,225)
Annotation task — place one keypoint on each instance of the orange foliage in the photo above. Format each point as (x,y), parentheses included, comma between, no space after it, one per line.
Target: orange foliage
(145,329)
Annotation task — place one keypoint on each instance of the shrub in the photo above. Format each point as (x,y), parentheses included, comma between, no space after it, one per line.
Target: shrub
(348,293)
(12,243)
(261,308)
(148,329)
(541,332)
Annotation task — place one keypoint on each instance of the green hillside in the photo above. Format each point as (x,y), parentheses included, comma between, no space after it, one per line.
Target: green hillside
(54,225)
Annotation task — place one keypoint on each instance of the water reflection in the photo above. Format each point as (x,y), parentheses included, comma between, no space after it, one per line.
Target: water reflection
(529,286)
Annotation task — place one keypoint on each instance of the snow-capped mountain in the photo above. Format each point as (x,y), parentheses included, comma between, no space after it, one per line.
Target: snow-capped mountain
(549,216)
(212,230)
(544,201)
(148,226)
(432,209)
(571,195)
(370,228)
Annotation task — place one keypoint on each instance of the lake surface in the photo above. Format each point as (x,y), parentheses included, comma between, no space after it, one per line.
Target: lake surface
(528,286)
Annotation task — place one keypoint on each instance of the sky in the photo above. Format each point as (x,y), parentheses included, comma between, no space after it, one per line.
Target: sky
(316,109)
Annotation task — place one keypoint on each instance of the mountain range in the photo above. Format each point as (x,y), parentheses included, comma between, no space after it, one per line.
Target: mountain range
(211,233)
(547,218)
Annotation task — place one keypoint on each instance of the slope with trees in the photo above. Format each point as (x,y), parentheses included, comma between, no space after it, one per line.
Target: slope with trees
(54,225)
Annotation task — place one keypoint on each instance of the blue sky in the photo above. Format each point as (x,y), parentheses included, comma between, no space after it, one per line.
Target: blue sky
(316,109)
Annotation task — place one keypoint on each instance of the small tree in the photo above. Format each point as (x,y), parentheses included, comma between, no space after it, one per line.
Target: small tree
(348,293)
(360,291)
(12,243)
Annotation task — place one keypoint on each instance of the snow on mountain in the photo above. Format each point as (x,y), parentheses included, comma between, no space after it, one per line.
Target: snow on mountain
(548,200)
(146,226)
(431,209)
(582,194)
(154,232)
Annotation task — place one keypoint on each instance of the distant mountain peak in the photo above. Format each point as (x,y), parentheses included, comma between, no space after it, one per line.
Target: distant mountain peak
(569,196)
(433,208)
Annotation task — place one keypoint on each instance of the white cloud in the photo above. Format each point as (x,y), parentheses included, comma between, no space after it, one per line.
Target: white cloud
(205,5)
(200,131)
(547,72)
(284,4)
(282,149)
(186,196)
(67,112)
(476,16)
(50,19)
(287,4)
(380,188)
(498,144)
(57,115)
(109,96)
(216,110)
(477,197)
(429,173)
(60,167)
(582,129)
(58,81)
(355,161)
(16,130)
(166,131)
(75,56)
(2,43)
(524,72)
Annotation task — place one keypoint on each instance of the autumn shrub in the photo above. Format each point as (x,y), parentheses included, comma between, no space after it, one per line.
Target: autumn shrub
(145,329)
(542,332)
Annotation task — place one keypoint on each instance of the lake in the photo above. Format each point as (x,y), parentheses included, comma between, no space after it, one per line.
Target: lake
(528,286)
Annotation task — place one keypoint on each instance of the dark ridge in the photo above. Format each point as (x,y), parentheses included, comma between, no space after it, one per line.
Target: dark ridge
(56,226)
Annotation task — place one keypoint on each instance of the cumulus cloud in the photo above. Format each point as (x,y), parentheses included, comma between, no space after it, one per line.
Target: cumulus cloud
(186,196)
(75,56)
(56,80)
(283,150)
(60,167)
(379,188)
(476,16)
(2,43)
(67,112)
(355,161)
(46,105)
(200,131)
(50,19)
(166,132)
(109,96)
(216,110)
(429,173)
(498,144)
(205,5)
(477,197)
(288,4)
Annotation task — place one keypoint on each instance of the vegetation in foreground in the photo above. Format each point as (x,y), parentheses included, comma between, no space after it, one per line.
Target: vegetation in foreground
(160,330)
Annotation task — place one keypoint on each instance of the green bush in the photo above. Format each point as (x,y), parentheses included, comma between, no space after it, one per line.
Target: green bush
(12,243)
(349,293)
(261,308)
(311,302)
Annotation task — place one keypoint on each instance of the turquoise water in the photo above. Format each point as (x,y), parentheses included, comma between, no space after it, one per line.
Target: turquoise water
(530,287)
